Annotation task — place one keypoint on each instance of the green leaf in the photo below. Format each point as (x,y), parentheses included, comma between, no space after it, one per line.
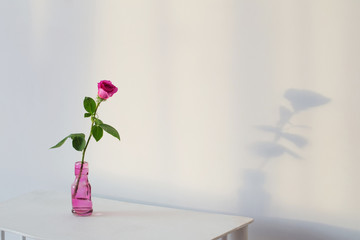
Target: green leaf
(98,121)
(77,135)
(78,142)
(97,132)
(109,129)
(87,115)
(60,143)
(89,104)
(72,136)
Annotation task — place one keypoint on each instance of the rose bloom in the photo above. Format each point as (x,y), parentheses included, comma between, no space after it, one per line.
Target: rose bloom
(106,89)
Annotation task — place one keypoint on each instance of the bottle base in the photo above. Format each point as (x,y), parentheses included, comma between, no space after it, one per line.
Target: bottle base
(82,212)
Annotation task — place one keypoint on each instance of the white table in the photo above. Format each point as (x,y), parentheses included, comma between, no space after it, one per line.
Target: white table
(47,215)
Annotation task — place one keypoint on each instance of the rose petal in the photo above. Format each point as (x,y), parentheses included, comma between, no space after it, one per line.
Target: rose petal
(103,94)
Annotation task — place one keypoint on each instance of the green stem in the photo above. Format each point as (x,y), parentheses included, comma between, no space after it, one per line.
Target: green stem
(87,143)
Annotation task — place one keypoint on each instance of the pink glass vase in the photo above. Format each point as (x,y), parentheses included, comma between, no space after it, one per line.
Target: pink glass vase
(81,195)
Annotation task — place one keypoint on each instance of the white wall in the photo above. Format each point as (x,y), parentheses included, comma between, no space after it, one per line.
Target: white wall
(197,79)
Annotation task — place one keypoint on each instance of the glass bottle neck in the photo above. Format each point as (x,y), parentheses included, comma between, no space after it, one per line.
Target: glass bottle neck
(81,168)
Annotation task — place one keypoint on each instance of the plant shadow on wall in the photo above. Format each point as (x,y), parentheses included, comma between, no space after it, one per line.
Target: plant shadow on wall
(300,100)
(255,200)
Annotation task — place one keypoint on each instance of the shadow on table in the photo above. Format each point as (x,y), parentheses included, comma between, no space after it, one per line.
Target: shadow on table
(125,214)
(131,214)
(108,214)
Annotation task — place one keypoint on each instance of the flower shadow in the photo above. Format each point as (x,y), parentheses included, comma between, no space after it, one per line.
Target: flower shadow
(300,100)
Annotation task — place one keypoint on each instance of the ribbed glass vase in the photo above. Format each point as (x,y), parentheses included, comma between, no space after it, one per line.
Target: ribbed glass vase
(81,191)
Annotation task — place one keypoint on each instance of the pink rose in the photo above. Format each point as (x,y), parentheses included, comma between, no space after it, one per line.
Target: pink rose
(106,89)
